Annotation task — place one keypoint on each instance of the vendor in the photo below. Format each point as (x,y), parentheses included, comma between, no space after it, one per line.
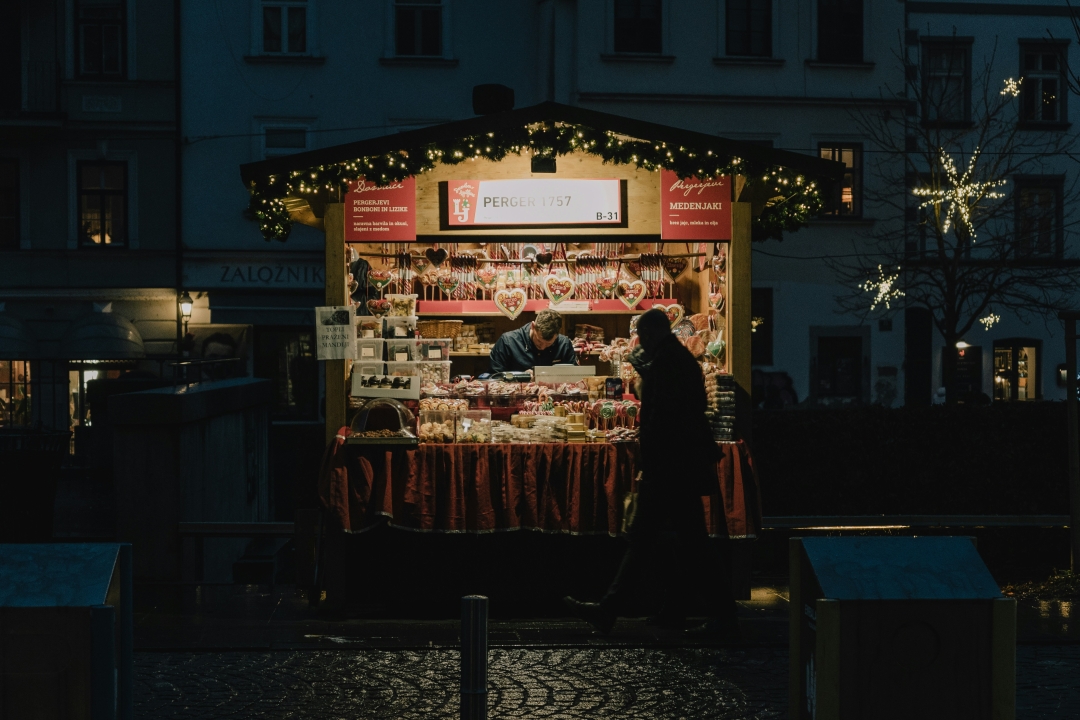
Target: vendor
(538,343)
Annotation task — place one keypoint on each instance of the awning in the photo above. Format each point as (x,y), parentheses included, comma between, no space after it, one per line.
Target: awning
(102,336)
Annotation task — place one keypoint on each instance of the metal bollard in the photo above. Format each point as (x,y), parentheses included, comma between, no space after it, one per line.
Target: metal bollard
(474,624)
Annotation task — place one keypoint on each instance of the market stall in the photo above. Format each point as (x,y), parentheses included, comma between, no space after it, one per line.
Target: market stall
(443,243)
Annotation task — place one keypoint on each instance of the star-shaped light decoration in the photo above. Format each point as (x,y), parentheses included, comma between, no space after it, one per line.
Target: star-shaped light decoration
(1012,87)
(963,193)
(884,287)
(990,320)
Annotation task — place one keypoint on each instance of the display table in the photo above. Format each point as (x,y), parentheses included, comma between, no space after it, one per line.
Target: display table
(480,488)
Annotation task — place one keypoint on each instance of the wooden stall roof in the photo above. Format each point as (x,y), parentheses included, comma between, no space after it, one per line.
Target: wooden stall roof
(826,172)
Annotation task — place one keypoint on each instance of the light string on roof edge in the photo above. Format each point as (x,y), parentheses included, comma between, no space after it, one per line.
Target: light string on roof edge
(790,198)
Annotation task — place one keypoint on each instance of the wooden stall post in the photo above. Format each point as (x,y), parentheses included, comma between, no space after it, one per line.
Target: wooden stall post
(336,294)
(1070,319)
(739,315)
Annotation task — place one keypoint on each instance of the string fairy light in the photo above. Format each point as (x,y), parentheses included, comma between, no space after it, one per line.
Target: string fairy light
(792,198)
(884,288)
(990,320)
(963,193)
(1012,87)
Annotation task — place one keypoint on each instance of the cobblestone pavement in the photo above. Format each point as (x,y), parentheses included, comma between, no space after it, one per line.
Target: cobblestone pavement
(524,683)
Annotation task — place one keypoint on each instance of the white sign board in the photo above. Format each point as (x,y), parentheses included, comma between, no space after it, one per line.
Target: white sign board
(533,203)
(336,332)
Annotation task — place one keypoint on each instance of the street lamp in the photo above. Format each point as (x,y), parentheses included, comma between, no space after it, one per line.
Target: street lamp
(186,304)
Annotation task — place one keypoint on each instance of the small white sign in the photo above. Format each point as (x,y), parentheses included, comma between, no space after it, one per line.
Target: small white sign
(367,352)
(336,332)
(402,356)
(434,353)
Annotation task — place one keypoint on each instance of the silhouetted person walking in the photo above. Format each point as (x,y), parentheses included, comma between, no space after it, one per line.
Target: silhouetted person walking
(678,461)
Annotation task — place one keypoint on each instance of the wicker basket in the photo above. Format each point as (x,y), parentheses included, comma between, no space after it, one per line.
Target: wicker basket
(442,329)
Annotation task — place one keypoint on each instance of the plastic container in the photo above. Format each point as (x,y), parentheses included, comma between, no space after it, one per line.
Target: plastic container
(368,327)
(369,350)
(436,426)
(401,350)
(473,426)
(434,371)
(434,349)
(399,327)
(402,305)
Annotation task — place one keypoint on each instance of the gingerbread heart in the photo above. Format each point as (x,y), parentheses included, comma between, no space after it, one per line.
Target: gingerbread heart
(487,278)
(558,288)
(675,267)
(631,293)
(544,259)
(510,301)
(715,348)
(379,279)
(420,263)
(378,307)
(674,312)
(634,267)
(448,284)
(716,300)
(436,257)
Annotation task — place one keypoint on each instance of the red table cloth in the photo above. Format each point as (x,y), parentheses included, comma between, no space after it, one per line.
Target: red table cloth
(475,488)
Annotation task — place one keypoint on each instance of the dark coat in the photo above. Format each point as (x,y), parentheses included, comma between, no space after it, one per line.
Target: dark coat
(678,455)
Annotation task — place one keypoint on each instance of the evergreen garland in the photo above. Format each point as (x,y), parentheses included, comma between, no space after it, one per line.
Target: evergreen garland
(792,199)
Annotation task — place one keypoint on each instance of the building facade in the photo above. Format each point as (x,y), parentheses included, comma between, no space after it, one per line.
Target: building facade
(88,201)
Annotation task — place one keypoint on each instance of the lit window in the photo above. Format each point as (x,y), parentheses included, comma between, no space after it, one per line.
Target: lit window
(284,27)
(851,187)
(102,192)
(418,27)
(99,36)
(840,31)
(1043,91)
(14,393)
(638,26)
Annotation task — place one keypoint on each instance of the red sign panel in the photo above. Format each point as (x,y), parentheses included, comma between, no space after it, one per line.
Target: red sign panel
(381,214)
(694,208)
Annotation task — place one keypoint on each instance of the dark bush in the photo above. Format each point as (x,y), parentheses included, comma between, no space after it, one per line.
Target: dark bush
(997,459)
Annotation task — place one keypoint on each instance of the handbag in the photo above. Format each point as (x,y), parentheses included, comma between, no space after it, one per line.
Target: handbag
(630,504)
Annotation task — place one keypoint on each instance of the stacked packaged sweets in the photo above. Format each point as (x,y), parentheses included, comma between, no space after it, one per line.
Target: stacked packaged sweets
(720,392)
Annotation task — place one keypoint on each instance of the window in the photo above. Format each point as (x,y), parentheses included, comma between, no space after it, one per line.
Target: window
(1043,91)
(418,27)
(840,31)
(14,393)
(9,204)
(1039,215)
(638,26)
(286,357)
(1016,369)
(851,188)
(748,27)
(839,370)
(946,81)
(100,38)
(102,193)
(282,140)
(285,27)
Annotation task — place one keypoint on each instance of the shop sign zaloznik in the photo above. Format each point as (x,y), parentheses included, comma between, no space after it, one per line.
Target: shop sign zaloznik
(386,213)
(534,203)
(204,273)
(694,208)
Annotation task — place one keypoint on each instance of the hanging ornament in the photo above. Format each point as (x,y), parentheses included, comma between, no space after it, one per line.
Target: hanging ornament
(379,279)
(675,267)
(558,288)
(510,301)
(419,263)
(716,300)
(436,256)
(378,307)
(631,292)
(448,283)
(674,312)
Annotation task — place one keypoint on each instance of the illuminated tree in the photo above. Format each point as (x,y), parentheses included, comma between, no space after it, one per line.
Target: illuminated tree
(956,229)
